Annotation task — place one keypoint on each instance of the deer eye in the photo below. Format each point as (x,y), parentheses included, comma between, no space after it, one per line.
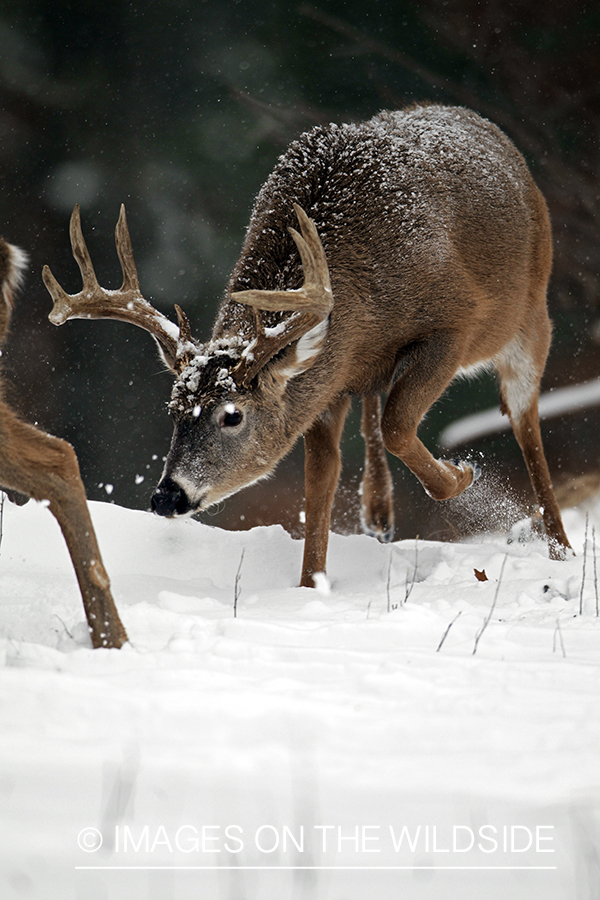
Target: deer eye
(231,417)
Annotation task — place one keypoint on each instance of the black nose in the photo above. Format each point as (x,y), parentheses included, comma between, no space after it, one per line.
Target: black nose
(169,499)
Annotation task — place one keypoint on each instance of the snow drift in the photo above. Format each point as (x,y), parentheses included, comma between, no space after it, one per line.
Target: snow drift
(410,730)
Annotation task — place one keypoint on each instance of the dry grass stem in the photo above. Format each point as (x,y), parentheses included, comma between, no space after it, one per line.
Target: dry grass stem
(487,619)
(445,634)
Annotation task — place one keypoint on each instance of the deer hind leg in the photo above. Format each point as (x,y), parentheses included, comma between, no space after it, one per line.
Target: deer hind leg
(376,489)
(44,467)
(520,367)
(322,465)
(424,373)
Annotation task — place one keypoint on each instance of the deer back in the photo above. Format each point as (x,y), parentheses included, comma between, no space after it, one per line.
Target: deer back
(429,220)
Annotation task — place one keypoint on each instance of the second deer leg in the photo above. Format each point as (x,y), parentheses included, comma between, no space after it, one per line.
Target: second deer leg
(426,372)
(376,490)
(322,465)
(46,468)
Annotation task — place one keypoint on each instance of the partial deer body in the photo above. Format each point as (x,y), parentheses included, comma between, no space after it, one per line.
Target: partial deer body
(35,464)
(423,253)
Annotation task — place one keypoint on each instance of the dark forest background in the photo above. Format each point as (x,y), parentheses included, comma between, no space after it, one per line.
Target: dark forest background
(180,110)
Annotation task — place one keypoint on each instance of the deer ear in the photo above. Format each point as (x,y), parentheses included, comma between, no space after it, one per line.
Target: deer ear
(300,356)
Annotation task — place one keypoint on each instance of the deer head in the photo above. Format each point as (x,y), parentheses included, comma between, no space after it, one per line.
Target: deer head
(228,400)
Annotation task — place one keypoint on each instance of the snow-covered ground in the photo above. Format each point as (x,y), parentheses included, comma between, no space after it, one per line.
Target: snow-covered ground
(413,732)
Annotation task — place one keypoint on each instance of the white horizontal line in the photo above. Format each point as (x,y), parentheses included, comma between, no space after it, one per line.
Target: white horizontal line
(556,402)
(324,868)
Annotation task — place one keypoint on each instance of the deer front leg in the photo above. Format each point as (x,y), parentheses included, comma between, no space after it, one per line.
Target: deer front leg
(376,490)
(46,468)
(424,374)
(71,512)
(322,465)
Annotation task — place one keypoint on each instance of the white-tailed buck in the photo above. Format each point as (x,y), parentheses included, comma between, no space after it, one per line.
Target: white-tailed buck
(423,253)
(35,464)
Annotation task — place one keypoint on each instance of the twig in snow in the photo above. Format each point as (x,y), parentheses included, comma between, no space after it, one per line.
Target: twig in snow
(595,568)
(64,626)
(558,631)
(237,590)
(445,634)
(409,587)
(486,621)
(2,499)
(389,576)
(585,540)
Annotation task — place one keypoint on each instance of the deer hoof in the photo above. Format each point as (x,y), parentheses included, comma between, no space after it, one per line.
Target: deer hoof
(383,536)
(464,465)
(378,525)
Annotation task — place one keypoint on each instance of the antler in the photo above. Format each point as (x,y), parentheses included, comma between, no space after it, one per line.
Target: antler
(127,304)
(313,302)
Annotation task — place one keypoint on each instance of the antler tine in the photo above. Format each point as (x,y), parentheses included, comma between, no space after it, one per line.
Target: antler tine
(63,302)
(315,295)
(81,252)
(314,300)
(185,345)
(62,308)
(125,251)
(314,261)
(127,304)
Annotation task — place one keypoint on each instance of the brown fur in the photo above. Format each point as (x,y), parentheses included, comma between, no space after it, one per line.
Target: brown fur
(35,464)
(436,244)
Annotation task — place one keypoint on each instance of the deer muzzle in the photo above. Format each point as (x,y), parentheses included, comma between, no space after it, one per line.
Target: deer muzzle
(170,499)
